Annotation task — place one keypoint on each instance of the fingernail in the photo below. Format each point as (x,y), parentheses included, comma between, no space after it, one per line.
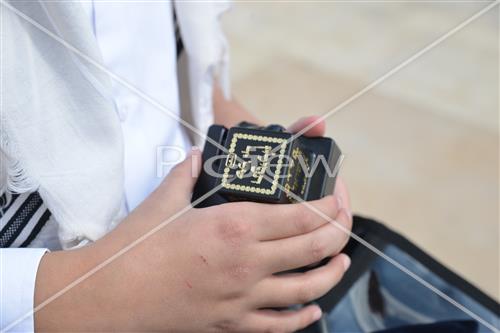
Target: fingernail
(348,213)
(317,314)
(346,261)
(194,150)
(339,202)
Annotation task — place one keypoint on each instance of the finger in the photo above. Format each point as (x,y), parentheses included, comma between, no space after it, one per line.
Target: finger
(315,126)
(281,321)
(342,193)
(287,220)
(307,249)
(300,288)
(344,224)
(178,185)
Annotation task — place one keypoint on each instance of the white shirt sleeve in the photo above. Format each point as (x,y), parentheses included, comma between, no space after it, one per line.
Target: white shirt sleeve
(18,268)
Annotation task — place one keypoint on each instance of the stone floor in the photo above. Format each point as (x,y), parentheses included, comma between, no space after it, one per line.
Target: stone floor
(422,147)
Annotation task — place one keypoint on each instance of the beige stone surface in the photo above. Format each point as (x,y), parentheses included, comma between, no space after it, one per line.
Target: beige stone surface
(422,148)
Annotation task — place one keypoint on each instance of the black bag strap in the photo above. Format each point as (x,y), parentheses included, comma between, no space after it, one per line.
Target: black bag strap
(381,236)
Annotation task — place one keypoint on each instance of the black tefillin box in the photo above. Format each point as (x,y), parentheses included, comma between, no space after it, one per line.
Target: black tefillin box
(265,164)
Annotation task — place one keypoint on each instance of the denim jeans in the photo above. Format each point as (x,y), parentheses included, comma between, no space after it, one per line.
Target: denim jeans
(385,297)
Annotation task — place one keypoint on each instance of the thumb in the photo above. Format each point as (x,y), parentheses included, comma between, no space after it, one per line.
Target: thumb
(179,183)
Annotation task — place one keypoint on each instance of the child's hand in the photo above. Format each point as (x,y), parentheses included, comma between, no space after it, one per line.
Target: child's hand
(210,269)
(318,129)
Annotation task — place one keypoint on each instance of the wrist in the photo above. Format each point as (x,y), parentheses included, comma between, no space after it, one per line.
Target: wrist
(68,296)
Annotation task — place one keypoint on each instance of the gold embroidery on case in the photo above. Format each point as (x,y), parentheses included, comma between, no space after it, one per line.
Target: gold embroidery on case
(257,171)
(293,184)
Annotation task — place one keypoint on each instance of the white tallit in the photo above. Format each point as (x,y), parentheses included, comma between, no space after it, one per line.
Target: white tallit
(60,134)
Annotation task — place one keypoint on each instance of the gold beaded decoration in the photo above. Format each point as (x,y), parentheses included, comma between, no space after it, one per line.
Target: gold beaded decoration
(253,189)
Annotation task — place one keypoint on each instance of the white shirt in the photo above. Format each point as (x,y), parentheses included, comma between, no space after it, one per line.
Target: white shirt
(137,42)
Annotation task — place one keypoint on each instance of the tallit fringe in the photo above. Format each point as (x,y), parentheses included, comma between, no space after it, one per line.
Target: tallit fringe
(13,176)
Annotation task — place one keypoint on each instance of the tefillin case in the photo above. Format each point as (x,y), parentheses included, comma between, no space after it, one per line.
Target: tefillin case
(265,164)
(261,164)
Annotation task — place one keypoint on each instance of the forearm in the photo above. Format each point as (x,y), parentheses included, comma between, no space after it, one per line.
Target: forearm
(108,285)
(230,112)
(73,294)
(60,306)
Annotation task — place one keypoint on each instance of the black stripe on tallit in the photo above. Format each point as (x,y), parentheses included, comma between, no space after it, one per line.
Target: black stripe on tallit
(3,201)
(19,220)
(36,230)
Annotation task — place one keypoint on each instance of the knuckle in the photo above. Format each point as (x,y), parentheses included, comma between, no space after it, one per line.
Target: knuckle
(303,219)
(225,325)
(239,271)
(231,228)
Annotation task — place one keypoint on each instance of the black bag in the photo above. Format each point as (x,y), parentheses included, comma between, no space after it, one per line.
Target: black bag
(374,295)
(369,277)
